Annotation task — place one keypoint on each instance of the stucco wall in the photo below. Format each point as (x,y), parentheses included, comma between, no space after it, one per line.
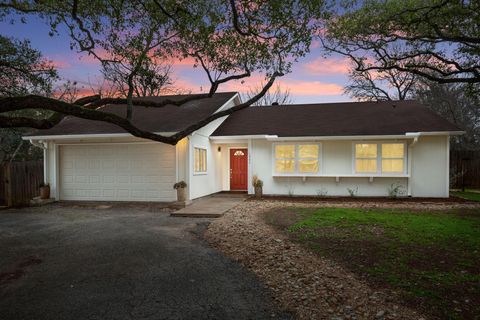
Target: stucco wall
(430,167)
(429,171)
(213,181)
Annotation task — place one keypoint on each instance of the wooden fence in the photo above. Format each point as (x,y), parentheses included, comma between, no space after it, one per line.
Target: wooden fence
(465,169)
(19,182)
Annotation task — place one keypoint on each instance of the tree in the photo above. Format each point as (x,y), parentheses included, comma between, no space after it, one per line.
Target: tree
(381,85)
(438,40)
(457,102)
(149,80)
(23,70)
(276,95)
(229,40)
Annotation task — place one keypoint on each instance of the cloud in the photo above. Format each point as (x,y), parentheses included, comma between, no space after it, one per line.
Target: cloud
(301,87)
(60,64)
(295,86)
(327,66)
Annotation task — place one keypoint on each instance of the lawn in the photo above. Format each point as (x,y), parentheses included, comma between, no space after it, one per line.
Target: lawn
(431,258)
(469,195)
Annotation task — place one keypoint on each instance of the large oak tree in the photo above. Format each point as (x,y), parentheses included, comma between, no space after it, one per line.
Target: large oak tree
(228,40)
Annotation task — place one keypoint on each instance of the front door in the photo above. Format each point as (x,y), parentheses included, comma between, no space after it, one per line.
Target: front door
(238,169)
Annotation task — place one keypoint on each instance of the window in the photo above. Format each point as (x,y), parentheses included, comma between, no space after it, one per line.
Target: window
(200,160)
(380,158)
(296,158)
(366,157)
(393,155)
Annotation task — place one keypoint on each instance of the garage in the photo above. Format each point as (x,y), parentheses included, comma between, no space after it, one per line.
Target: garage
(117,172)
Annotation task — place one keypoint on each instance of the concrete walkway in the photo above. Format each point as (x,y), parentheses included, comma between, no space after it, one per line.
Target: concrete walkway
(213,206)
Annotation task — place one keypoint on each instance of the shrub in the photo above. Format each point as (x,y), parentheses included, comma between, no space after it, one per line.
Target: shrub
(257,183)
(353,191)
(178,185)
(396,190)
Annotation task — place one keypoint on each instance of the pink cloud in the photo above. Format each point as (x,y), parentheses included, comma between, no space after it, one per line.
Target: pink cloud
(296,87)
(60,64)
(301,87)
(323,66)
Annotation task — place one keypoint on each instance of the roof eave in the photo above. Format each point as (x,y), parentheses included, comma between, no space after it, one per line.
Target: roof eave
(88,136)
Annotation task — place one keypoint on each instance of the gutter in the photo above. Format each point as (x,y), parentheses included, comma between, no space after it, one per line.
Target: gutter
(39,144)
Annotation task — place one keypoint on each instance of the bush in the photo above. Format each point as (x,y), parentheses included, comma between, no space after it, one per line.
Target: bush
(178,185)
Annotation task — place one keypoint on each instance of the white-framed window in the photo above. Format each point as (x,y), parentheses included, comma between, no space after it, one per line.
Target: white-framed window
(380,157)
(296,158)
(199,160)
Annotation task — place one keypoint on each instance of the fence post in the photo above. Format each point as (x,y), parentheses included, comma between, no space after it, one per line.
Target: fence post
(8,184)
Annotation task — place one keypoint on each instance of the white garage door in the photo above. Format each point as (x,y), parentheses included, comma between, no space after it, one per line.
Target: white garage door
(122,172)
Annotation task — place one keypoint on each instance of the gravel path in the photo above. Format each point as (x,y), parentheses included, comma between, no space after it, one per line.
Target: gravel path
(303,283)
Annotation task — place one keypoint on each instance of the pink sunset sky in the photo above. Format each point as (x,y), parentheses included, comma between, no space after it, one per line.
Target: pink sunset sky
(313,79)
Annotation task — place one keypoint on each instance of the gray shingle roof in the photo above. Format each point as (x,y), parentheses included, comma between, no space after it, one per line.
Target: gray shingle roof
(335,119)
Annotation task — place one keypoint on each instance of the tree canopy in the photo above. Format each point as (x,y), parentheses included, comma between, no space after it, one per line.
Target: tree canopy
(435,39)
(228,40)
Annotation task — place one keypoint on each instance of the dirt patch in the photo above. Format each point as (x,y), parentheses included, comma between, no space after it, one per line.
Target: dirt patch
(18,270)
(387,200)
(308,285)
(281,217)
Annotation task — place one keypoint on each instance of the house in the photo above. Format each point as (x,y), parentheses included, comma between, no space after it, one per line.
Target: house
(336,149)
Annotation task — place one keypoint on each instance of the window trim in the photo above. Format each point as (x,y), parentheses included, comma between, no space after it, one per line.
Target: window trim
(379,158)
(296,173)
(198,173)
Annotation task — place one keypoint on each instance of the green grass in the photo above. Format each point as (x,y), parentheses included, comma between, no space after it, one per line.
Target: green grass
(406,227)
(432,257)
(469,195)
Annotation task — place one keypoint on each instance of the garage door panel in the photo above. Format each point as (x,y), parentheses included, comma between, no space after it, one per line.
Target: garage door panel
(144,172)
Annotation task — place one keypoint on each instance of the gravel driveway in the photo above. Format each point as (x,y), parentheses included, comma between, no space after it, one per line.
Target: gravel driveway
(67,262)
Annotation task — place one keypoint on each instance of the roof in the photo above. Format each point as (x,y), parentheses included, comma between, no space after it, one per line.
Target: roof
(335,119)
(170,118)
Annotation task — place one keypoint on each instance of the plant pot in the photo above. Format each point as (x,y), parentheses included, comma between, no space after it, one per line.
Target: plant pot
(258,192)
(181,194)
(45,192)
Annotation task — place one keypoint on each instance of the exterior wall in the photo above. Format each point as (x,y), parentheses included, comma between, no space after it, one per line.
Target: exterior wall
(429,176)
(430,167)
(203,184)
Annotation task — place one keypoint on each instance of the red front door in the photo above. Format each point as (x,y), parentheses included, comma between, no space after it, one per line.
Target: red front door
(238,169)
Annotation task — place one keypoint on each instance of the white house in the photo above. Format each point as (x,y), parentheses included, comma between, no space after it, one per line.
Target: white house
(332,149)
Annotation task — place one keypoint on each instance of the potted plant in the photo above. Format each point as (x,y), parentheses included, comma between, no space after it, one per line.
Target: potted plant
(44,191)
(258,186)
(181,191)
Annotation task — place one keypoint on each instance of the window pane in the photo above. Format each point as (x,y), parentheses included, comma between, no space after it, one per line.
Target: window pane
(366,150)
(284,166)
(203,158)
(366,165)
(310,166)
(200,160)
(308,151)
(392,165)
(392,150)
(284,151)
(196,160)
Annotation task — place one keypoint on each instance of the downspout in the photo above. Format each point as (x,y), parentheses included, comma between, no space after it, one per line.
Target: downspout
(410,161)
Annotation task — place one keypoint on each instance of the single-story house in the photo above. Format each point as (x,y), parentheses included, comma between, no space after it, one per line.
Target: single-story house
(334,149)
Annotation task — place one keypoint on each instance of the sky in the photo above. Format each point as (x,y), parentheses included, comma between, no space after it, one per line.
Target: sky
(314,79)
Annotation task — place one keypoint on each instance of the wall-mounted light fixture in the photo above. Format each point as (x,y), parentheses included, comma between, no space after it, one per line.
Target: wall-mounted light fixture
(219,149)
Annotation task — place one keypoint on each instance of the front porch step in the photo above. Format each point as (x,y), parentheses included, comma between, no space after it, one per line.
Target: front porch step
(213,206)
